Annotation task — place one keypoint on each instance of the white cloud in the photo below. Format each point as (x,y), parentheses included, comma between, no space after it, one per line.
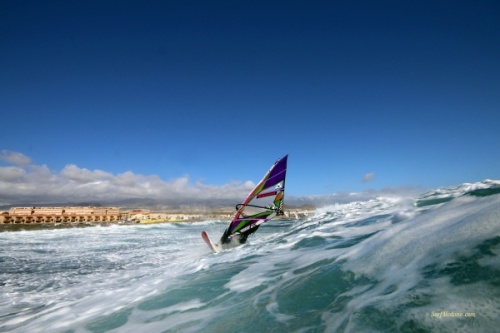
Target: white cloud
(37,184)
(24,184)
(368,177)
(12,174)
(14,158)
(82,175)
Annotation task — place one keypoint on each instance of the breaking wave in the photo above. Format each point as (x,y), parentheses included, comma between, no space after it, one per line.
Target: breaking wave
(422,264)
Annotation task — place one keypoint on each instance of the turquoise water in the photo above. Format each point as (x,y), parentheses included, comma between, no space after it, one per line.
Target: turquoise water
(428,264)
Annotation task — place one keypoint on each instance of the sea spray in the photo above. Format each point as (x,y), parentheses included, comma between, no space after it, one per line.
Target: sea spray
(386,264)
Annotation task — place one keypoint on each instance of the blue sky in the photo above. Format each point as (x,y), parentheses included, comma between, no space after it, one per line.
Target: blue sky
(362,95)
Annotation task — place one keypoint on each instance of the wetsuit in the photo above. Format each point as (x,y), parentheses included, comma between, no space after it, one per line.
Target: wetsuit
(242,236)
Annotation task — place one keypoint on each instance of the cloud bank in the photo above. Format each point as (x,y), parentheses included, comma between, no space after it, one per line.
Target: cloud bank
(22,182)
(25,183)
(14,158)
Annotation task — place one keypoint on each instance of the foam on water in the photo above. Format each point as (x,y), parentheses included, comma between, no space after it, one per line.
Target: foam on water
(62,277)
(399,257)
(387,264)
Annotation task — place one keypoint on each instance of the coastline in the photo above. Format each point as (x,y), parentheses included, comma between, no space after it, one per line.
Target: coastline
(45,226)
(51,218)
(56,226)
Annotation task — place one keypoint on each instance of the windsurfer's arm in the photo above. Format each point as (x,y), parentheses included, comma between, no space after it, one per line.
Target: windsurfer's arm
(278,210)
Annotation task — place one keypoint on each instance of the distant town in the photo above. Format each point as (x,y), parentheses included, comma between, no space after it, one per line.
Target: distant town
(90,215)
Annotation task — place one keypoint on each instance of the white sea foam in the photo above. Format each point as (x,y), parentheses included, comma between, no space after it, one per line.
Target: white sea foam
(398,255)
(326,272)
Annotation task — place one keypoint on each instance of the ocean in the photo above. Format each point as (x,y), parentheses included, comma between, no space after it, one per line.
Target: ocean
(388,264)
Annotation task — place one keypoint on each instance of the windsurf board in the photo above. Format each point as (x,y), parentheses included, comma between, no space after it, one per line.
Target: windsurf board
(214,247)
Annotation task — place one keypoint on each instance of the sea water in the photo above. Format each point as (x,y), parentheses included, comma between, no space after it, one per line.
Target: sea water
(427,264)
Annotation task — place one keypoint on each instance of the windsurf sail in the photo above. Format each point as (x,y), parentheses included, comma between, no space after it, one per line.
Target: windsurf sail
(263,203)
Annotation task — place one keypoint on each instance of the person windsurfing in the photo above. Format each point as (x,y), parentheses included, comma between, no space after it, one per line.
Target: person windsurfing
(263,203)
(241,238)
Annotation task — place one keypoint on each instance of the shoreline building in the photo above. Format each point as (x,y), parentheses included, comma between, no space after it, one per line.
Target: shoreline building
(43,215)
(96,215)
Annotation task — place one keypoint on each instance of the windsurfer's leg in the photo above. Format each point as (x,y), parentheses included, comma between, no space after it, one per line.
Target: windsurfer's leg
(224,239)
(243,238)
(244,235)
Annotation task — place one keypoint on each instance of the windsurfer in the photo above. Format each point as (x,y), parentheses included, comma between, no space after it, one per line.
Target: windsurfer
(263,203)
(241,237)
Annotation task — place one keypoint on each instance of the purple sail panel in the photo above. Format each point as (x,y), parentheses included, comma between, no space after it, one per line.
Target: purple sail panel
(278,173)
(271,181)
